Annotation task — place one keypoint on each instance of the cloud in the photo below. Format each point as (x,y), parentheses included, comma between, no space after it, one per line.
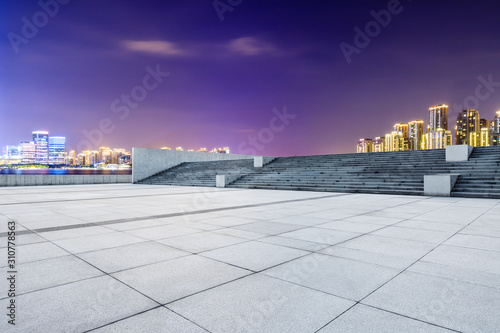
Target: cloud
(251,46)
(160,47)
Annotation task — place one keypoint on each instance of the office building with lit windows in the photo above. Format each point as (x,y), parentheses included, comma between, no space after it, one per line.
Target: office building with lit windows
(365,146)
(467,122)
(28,152)
(415,133)
(378,144)
(438,117)
(57,150)
(41,140)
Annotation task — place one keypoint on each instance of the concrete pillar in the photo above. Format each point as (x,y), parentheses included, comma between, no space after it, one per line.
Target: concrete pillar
(458,153)
(260,161)
(224,180)
(440,185)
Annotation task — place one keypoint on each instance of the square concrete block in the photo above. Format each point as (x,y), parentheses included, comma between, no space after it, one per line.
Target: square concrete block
(458,153)
(439,185)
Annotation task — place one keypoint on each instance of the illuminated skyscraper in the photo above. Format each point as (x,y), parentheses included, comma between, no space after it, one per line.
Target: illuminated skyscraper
(437,139)
(378,144)
(57,150)
(438,136)
(28,152)
(365,146)
(467,122)
(394,141)
(415,133)
(401,128)
(41,140)
(495,130)
(438,117)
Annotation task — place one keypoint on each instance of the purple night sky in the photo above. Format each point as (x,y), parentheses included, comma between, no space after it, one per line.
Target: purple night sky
(226,77)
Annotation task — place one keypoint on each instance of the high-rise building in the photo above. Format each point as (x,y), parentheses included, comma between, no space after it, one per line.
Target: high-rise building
(415,133)
(365,146)
(378,145)
(57,150)
(495,130)
(41,140)
(10,152)
(401,128)
(394,141)
(28,152)
(105,155)
(438,136)
(467,122)
(438,117)
(438,139)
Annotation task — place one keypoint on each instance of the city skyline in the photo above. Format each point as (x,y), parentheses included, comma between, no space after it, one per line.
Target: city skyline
(189,74)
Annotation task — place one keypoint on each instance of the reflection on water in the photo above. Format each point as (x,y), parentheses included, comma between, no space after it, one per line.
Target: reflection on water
(64,172)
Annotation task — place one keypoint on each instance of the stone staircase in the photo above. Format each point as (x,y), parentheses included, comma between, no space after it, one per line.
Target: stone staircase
(200,173)
(480,177)
(384,173)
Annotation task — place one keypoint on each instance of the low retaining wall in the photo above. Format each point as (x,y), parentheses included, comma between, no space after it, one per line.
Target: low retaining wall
(32,180)
(147,161)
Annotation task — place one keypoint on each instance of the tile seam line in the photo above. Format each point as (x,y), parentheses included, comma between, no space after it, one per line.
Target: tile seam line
(153,217)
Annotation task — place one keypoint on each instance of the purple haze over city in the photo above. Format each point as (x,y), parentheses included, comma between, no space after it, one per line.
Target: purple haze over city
(229,67)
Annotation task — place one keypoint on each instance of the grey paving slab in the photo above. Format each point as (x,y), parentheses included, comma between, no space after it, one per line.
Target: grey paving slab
(323,236)
(173,279)
(259,303)
(38,251)
(301,220)
(475,242)
(343,225)
(241,233)
(130,256)
(75,233)
(428,225)
(452,304)
(366,319)
(159,320)
(480,230)
(269,228)
(48,273)
(420,235)
(201,242)
(161,232)
(228,221)
(294,243)
(390,247)
(97,242)
(254,255)
(77,307)
(338,276)
(381,220)
(366,256)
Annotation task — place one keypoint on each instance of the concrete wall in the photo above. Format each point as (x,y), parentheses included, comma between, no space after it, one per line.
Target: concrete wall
(31,180)
(147,162)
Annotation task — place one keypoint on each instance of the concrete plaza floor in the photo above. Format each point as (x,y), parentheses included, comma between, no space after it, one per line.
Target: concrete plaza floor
(138,258)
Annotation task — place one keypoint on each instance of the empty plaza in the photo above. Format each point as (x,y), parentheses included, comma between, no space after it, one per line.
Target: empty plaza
(145,258)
